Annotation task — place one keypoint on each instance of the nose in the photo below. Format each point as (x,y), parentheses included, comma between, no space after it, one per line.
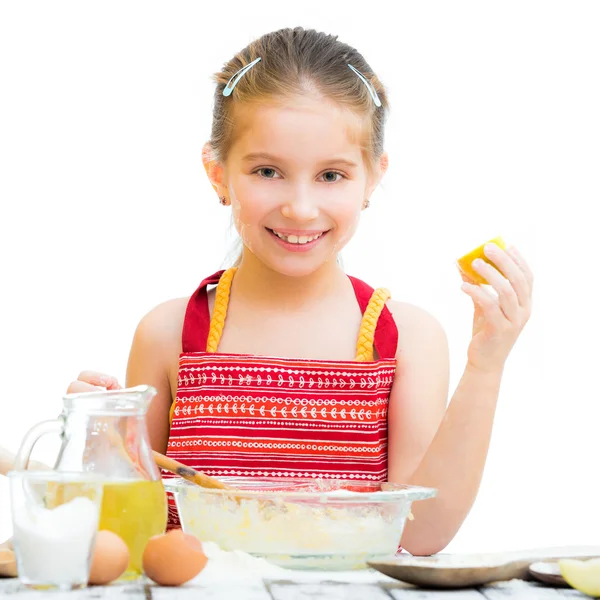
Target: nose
(300,205)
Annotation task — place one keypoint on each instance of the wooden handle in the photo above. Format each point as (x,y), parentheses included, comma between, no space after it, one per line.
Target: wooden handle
(188,473)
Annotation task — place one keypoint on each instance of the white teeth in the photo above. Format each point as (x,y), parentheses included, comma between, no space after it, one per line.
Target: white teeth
(294,239)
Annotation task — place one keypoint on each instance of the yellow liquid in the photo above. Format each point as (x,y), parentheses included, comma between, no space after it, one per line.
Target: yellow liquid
(135,511)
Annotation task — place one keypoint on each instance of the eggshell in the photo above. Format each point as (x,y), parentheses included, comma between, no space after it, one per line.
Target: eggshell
(173,558)
(110,558)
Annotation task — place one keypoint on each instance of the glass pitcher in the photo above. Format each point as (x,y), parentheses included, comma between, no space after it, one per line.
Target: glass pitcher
(105,432)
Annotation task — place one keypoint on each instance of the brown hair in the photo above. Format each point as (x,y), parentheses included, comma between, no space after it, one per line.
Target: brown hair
(296,62)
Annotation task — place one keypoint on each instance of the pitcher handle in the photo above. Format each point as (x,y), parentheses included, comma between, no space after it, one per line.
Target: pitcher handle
(31,438)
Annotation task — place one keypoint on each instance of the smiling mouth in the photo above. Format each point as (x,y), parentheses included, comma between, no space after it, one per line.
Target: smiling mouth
(299,240)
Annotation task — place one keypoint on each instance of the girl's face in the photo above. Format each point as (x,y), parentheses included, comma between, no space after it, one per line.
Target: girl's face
(297,182)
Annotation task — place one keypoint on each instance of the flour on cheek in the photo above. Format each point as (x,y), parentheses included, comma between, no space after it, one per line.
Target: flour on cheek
(244,229)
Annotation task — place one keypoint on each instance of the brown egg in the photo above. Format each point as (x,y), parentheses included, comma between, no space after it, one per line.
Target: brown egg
(8,563)
(173,558)
(110,558)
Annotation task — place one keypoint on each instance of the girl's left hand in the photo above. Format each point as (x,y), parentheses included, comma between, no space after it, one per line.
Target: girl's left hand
(498,321)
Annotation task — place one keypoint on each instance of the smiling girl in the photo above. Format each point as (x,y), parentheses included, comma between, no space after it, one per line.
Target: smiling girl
(286,366)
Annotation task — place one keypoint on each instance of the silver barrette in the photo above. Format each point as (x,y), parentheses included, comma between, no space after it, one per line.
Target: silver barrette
(234,80)
(369,86)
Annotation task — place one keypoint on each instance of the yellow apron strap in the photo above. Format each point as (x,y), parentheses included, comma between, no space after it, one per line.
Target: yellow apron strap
(366,335)
(217,321)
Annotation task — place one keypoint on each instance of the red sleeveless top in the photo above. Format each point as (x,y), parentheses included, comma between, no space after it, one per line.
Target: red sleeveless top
(264,416)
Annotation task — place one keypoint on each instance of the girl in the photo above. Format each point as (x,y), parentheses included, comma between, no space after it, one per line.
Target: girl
(289,367)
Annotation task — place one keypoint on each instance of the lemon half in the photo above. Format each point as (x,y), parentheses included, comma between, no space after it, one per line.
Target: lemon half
(464,263)
(583,575)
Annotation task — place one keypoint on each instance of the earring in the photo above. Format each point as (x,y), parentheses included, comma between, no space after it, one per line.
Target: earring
(366,203)
(223,200)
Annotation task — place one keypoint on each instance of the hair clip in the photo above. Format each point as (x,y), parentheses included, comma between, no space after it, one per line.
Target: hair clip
(229,87)
(369,87)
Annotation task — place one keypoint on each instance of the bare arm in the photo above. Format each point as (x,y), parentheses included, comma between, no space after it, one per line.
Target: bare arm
(455,456)
(420,391)
(454,464)
(7,460)
(432,446)
(154,353)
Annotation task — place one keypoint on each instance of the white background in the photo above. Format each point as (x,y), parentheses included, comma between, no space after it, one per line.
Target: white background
(494,129)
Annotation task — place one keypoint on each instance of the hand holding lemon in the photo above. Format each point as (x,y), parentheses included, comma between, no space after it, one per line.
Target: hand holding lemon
(499,318)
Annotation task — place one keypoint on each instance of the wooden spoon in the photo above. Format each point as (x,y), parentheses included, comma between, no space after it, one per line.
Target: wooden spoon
(188,473)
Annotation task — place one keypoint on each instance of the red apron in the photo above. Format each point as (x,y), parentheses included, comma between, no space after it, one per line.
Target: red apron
(245,415)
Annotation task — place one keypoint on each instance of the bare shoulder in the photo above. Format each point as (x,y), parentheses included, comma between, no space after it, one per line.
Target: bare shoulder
(162,325)
(416,326)
(423,358)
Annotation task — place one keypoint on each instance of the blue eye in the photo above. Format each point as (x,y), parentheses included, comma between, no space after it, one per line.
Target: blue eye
(328,176)
(267,173)
(270,173)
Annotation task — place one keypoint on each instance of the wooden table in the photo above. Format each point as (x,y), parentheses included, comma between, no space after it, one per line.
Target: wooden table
(380,588)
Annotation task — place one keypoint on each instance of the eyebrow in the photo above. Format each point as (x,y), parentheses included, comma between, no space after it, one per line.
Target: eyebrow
(266,156)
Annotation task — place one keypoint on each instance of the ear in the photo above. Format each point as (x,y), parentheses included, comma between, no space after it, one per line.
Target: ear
(384,162)
(213,168)
(380,171)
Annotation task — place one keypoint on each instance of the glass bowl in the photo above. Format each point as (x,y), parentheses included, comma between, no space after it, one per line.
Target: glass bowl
(310,524)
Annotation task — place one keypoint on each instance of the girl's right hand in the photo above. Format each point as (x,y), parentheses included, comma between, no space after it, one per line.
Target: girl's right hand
(92,381)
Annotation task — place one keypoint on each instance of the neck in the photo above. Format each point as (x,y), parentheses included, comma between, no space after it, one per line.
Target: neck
(259,284)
